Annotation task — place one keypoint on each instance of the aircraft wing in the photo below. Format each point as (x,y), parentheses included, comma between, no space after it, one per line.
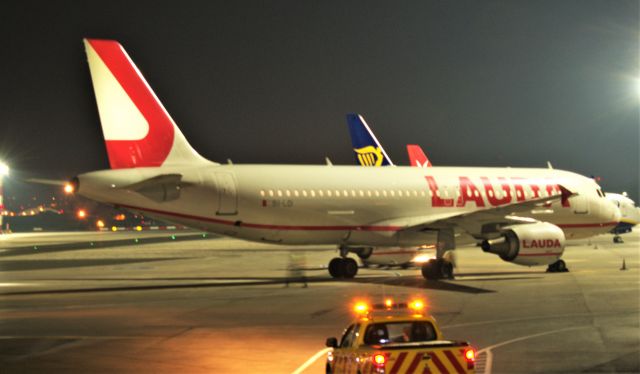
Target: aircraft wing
(50,182)
(485,220)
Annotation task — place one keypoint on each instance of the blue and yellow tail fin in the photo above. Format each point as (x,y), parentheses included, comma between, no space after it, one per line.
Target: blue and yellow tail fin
(366,147)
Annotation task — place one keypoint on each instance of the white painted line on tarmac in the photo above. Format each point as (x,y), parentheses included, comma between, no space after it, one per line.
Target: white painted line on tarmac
(533,318)
(487,351)
(311,360)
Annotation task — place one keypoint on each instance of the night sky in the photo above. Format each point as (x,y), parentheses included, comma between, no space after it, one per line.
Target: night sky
(475,83)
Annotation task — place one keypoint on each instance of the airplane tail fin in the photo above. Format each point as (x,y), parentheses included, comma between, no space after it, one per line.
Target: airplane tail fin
(417,156)
(366,147)
(138,130)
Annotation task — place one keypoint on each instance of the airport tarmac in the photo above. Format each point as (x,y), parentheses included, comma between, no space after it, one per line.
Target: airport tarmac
(101,302)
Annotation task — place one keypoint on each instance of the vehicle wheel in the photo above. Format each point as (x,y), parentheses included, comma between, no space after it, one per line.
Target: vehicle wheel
(430,270)
(336,268)
(617,239)
(328,369)
(349,267)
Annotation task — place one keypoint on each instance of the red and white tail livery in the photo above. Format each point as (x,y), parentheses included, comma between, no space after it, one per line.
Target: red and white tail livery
(138,130)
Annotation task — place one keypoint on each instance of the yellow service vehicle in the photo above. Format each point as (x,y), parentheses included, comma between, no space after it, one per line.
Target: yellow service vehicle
(396,338)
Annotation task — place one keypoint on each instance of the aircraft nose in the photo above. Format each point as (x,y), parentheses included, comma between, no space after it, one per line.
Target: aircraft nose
(616,213)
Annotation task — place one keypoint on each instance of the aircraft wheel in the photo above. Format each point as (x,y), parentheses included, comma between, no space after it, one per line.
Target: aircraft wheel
(349,267)
(617,239)
(561,266)
(336,267)
(430,270)
(446,269)
(557,267)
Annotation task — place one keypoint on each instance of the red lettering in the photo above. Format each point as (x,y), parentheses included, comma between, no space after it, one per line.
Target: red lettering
(469,192)
(535,189)
(551,188)
(437,201)
(519,189)
(491,195)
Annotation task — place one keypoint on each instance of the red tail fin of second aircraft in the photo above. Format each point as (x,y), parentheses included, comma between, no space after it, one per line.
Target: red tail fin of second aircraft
(417,156)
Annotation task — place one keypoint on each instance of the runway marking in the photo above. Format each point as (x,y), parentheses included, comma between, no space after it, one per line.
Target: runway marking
(487,351)
(538,318)
(311,360)
(72,337)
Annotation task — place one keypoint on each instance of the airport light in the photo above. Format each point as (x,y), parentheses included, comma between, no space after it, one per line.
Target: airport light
(4,169)
(68,189)
(99,223)
(81,213)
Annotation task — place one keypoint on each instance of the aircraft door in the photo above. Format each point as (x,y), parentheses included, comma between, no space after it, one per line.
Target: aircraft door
(227,194)
(580,204)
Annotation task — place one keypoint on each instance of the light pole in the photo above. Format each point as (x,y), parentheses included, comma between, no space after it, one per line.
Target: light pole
(4,171)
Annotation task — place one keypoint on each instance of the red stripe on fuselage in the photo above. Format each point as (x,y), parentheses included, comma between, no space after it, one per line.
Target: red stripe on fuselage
(309,228)
(264,226)
(539,254)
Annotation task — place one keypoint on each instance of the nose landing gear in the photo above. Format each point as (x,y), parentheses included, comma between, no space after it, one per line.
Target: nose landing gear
(557,267)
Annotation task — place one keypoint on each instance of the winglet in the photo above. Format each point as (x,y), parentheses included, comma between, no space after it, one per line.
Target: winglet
(417,156)
(366,146)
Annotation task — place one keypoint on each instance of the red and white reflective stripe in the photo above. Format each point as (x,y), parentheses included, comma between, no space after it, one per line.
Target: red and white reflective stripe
(436,361)
(396,365)
(454,362)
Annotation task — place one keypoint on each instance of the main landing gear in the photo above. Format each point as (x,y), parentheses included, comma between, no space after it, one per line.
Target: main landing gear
(618,239)
(557,267)
(441,267)
(343,267)
(436,269)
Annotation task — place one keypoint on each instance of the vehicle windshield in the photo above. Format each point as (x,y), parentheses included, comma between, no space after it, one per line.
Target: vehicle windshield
(399,332)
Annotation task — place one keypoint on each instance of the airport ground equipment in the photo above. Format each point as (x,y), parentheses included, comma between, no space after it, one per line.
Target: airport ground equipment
(393,337)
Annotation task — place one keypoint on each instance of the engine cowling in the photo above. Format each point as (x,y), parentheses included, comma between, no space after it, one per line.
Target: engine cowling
(531,244)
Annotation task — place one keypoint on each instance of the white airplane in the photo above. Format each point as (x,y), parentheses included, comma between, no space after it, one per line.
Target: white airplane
(523,215)
(629,214)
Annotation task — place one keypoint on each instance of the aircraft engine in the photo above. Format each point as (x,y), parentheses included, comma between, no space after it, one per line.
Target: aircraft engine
(530,244)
